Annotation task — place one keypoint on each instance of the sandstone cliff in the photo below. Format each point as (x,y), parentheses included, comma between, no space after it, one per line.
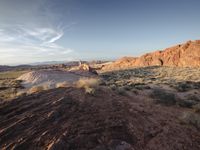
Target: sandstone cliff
(182,55)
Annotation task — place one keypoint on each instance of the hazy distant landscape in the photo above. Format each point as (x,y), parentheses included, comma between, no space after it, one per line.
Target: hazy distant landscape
(99,75)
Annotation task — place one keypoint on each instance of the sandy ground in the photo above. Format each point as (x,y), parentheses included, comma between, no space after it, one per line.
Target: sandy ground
(51,77)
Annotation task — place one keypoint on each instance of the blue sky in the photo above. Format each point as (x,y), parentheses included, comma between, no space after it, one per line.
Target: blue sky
(59,30)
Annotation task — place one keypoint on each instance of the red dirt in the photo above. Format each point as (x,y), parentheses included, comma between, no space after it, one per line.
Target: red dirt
(67,118)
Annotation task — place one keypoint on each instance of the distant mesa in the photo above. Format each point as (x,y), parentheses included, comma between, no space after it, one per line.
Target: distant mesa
(182,55)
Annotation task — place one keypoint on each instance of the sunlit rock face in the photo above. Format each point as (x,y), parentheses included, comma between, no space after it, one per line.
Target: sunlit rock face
(182,55)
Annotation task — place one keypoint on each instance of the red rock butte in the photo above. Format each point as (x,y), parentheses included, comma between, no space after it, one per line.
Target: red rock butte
(182,55)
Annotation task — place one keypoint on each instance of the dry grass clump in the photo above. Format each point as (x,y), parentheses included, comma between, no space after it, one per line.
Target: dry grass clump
(21,93)
(39,88)
(9,83)
(89,84)
(36,89)
(16,84)
(192,118)
(161,96)
(196,108)
(62,84)
(9,88)
(8,94)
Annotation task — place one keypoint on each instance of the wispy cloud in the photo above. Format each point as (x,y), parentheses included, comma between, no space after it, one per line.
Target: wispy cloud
(33,41)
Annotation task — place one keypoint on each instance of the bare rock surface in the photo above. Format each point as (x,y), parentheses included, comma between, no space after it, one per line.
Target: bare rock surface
(182,55)
(67,118)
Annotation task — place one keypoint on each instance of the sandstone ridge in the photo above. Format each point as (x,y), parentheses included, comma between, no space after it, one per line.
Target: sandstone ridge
(182,55)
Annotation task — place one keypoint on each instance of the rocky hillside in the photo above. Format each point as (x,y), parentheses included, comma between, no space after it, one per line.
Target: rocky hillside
(182,55)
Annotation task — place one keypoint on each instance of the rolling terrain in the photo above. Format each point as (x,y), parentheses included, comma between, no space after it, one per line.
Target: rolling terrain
(146,103)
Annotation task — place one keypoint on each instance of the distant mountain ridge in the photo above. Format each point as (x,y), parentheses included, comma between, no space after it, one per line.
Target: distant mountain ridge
(49,63)
(9,68)
(182,55)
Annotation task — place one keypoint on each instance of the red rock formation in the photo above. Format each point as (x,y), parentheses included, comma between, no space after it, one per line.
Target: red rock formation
(183,55)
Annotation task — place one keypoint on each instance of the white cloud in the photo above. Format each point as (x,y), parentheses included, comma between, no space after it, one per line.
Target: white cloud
(28,54)
(32,37)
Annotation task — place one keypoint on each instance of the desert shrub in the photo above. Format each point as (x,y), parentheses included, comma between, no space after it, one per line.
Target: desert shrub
(36,89)
(190,101)
(10,83)
(193,97)
(62,84)
(135,91)
(89,84)
(16,84)
(142,87)
(163,97)
(127,88)
(196,108)
(197,85)
(192,118)
(183,87)
(113,87)
(102,83)
(21,93)
(121,91)
(8,93)
(186,103)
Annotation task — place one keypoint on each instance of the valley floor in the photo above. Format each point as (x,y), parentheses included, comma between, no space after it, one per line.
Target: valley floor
(146,108)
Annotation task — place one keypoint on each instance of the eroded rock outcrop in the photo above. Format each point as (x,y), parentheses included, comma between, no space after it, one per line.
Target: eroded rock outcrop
(182,55)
